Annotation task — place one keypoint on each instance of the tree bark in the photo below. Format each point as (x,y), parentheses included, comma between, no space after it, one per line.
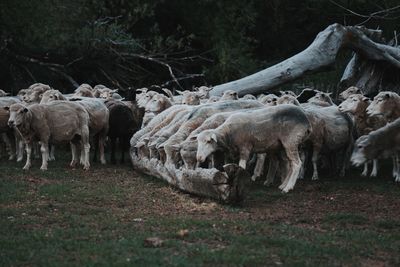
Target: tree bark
(320,55)
(226,186)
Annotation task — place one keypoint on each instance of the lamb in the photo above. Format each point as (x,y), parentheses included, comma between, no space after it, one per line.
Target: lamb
(386,104)
(278,122)
(54,122)
(383,142)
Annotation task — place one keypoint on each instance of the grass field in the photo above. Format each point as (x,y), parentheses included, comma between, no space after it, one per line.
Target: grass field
(102,217)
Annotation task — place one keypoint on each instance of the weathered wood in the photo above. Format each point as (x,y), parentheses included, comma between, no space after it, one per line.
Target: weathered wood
(320,55)
(224,186)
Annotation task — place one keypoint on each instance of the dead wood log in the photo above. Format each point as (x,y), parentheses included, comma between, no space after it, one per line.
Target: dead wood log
(319,56)
(226,186)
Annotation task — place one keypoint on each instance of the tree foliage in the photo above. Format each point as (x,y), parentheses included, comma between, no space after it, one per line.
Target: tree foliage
(134,43)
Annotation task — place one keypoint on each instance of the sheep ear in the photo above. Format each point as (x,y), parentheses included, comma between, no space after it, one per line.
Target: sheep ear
(179,92)
(210,88)
(329,94)
(7,108)
(214,137)
(114,91)
(365,99)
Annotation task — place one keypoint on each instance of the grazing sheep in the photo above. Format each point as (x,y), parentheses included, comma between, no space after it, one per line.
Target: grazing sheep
(287,127)
(382,143)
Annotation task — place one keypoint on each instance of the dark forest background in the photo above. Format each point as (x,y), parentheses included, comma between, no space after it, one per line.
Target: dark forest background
(137,43)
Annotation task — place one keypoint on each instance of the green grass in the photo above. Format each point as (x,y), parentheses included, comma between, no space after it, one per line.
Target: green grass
(66,217)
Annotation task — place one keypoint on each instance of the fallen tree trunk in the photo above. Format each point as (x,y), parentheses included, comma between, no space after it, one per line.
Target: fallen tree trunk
(321,54)
(226,186)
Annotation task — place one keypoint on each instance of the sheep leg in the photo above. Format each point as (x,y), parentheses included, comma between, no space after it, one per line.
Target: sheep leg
(303,157)
(85,143)
(272,168)
(44,149)
(75,155)
(374,171)
(314,160)
(51,156)
(259,168)
(20,148)
(365,170)
(295,165)
(9,146)
(102,140)
(244,157)
(28,164)
(396,168)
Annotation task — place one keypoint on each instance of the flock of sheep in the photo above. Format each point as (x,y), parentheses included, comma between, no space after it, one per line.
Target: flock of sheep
(40,117)
(193,130)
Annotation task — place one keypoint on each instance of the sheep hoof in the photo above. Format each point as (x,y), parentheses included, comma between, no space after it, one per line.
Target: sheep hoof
(43,168)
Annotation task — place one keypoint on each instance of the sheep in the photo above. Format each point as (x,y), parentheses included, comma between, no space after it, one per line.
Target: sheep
(190,98)
(82,91)
(383,142)
(122,125)
(386,104)
(54,122)
(245,133)
(268,100)
(52,95)
(156,105)
(356,105)
(229,95)
(11,138)
(213,99)
(248,97)
(321,99)
(352,90)
(3,93)
(196,118)
(331,130)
